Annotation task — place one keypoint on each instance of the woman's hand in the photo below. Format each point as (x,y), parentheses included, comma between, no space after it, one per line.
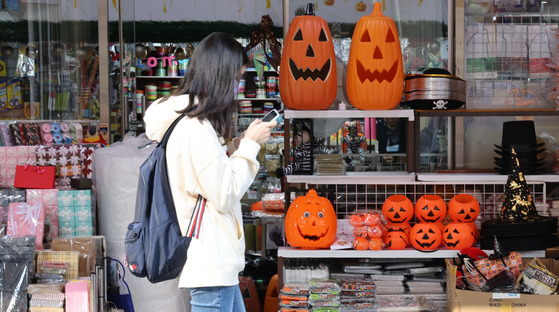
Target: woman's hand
(259,131)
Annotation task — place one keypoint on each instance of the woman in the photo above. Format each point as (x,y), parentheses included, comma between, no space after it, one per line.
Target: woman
(197,157)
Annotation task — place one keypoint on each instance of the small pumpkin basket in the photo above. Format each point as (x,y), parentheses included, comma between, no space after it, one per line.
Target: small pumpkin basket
(434,91)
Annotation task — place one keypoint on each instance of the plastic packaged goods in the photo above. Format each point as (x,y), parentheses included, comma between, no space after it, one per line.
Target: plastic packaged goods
(86,248)
(324,286)
(115,166)
(295,289)
(16,264)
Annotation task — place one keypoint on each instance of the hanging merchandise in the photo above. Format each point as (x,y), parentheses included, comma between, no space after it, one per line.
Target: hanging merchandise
(265,37)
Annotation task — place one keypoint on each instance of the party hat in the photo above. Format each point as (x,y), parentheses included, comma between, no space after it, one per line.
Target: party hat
(518,204)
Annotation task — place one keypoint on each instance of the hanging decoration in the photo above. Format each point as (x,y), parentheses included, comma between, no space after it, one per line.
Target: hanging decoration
(267,39)
(360,6)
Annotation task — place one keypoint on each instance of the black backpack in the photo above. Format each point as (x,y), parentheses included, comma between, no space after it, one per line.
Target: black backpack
(154,247)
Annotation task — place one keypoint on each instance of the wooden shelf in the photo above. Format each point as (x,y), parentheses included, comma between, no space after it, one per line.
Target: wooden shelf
(158,77)
(366,177)
(481,178)
(408,253)
(258,99)
(350,113)
(487,112)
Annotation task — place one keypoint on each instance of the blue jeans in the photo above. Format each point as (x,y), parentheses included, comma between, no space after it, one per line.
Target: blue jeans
(217,299)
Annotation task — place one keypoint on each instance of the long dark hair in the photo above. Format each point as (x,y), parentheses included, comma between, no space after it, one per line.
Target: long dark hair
(213,71)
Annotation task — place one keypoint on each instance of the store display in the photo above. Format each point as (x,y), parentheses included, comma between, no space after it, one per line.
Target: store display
(458,235)
(375,70)
(398,227)
(536,278)
(530,71)
(368,230)
(430,208)
(78,297)
(396,240)
(49,199)
(310,222)
(483,274)
(520,135)
(463,208)
(308,76)
(75,213)
(27,219)
(397,209)
(16,265)
(34,177)
(434,90)
(329,164)
(426,236)
(519,226)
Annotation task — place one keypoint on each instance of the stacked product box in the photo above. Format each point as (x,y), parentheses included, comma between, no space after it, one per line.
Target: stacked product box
(75,213)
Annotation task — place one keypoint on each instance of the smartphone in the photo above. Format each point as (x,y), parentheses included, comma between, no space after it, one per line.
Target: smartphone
(271,116)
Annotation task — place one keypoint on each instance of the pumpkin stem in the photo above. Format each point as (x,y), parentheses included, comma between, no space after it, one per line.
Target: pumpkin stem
(377,9)
(310,9)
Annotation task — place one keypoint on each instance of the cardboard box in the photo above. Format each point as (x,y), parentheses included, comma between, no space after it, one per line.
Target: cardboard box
(459,300)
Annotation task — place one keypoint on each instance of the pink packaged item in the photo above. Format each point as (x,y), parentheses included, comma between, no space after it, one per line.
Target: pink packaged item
(49,198)
(77,296)
(27,219)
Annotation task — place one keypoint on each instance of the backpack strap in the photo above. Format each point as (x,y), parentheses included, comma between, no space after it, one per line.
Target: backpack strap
(196,220)
(165,138)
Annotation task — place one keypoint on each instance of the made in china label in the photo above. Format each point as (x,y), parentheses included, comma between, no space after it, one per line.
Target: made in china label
(505,305)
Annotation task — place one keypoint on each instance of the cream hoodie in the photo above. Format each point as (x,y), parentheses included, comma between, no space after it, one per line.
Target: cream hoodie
(198,164)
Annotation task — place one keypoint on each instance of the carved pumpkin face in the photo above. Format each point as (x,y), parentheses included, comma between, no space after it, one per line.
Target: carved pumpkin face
(425,236)
(402,227)
(310,222)
(375,70)
(308,75)
(360,6)
(463,208)
(430,208)
(458,235)
(397,209)
(360,231)
(396,240)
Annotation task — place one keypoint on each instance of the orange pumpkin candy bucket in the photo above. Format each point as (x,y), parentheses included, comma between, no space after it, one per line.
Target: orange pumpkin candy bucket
(310,222)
